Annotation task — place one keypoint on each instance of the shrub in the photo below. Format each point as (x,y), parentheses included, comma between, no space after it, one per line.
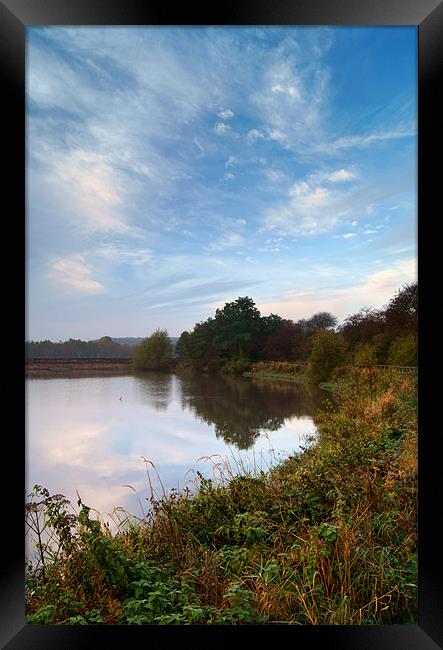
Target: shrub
(403,351)
(328,352)
(365,355)
(326,537)
(278,367)
(236,366)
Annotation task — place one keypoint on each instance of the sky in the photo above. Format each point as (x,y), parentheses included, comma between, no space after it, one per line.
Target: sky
(170,170)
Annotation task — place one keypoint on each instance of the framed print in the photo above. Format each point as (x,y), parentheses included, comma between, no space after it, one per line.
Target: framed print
(169,165)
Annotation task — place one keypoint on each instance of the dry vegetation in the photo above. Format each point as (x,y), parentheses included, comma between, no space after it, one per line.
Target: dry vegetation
(327,536)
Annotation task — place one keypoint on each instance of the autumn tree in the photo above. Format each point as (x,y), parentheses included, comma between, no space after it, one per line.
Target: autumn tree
(363,326)
(280,345)
(401,312)
(154,353)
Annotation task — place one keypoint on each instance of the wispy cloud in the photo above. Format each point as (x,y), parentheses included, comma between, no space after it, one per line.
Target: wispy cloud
(375,290)
(149,149)
(221,128)
(225,114)
(254,134)
(230,241)
(120,254)
(71,274)
(292,99)
(93,187)
(340,176)
(359,141)
(313,206)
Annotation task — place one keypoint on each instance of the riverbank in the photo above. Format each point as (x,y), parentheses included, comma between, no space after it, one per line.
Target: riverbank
(289,371)
(74,366)
(301,379)
(327,536)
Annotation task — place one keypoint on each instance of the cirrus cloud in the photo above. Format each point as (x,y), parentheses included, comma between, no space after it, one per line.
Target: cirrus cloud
(73,275)
(313,206)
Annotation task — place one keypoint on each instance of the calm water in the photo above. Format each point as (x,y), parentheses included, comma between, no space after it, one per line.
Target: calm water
(89,434)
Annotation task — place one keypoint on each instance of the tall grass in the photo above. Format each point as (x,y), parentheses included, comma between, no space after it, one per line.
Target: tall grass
(327,536)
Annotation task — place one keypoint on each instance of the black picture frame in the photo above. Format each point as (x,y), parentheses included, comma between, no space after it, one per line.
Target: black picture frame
(427,16)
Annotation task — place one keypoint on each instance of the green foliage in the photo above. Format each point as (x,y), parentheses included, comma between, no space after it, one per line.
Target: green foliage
(397,320)
(237,327)
(401,312)
(403,351)
(238,331)
(236,366)
(240,411)
(327,536)
(154,353)
(233,334)
(381,344)
(76,348)
(239,335)
(365,355)
(328,352)
(197,350)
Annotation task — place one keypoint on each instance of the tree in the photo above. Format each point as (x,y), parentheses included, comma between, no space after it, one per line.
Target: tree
(183,346)
(237,327)
(363,325)
(403,352)
(279,346)
(328,352)
(401,312)
(154,353)
(381,344)
(323,320)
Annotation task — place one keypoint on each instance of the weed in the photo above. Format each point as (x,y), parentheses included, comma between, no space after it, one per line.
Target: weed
(325,536)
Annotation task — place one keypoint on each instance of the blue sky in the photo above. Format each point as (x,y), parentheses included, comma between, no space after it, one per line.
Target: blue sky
(171,170)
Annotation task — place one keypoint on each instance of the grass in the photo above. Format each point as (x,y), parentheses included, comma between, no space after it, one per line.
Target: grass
(287,370)
(326,536)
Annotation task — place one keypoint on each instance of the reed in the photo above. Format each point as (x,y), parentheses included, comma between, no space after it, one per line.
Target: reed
(325,536)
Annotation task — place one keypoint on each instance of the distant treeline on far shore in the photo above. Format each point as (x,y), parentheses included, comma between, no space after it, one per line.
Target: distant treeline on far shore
(105,347)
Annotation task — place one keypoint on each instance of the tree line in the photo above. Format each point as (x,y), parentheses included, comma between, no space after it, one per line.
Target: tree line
(238,336)
(103,347)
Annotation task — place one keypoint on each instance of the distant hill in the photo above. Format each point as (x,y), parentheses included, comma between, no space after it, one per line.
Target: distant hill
(134,340)
(129,340)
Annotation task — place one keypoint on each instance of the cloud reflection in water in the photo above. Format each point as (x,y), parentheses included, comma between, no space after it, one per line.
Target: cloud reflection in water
(81,436)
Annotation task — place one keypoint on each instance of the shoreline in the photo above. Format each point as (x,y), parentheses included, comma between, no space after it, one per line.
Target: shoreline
(335,511)
(301,378)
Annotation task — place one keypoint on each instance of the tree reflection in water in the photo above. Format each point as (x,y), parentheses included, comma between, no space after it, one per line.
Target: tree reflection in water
(155,388)
(242,409)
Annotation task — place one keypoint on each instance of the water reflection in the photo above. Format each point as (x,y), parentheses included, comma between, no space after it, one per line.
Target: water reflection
(241,410)
(154,388)
(89,434)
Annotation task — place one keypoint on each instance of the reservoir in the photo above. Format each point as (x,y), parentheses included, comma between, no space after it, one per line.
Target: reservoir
(117,439)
